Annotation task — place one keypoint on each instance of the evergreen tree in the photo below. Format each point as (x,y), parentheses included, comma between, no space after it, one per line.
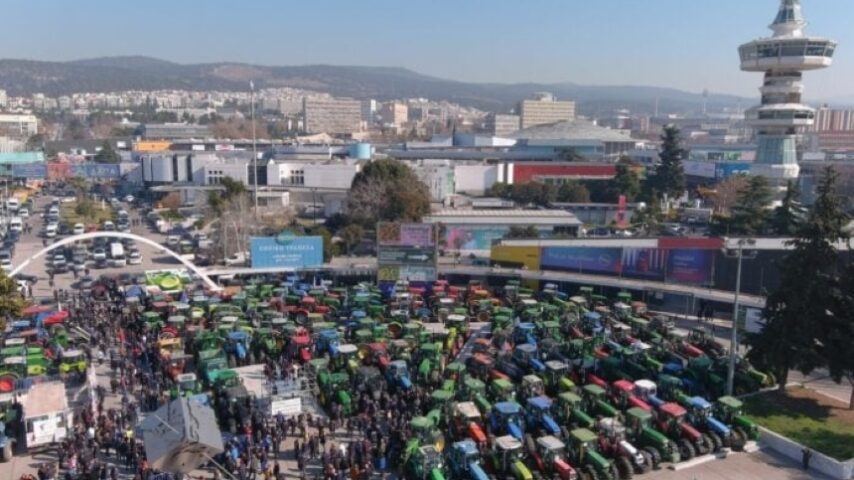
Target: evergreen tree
(12,303)
(573,192)
(750,212)
(669,176)
(522,232)
(787,218)
(838,335)
(798,314)
(107,154)
(387,190)
(625,182)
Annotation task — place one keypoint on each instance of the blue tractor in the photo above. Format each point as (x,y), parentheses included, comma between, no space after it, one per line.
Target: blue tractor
(538,415)
(701,416)
(524,333)
(526,356)
(464,461)
(327,342)
(397,375)
(506,418)
(237,347)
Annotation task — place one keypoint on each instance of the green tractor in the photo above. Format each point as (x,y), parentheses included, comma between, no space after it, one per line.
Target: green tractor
(72,361)
(431,363)
(596,402)
(333,389)
(425,463)
(643,435)
(425,432)
(584,456)
(186,384)
(556,379)
(730,411)
(569,412)
(10,416)
(474,390)
(504,460)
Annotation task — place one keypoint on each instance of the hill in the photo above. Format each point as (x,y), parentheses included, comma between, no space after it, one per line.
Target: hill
(24,77)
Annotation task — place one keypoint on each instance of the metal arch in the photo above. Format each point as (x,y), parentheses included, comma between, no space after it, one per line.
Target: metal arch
(91,235)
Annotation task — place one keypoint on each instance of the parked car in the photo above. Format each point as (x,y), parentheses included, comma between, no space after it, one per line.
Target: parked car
(134,258)
(236,259)
(78,229)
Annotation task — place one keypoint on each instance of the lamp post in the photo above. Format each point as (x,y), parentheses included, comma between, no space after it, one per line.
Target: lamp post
(254,145)
(737,252)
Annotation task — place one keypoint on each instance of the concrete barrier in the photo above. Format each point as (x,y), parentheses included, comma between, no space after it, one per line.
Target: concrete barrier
(794,450)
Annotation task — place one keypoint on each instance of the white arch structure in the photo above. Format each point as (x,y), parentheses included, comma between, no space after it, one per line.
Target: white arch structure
(92,235)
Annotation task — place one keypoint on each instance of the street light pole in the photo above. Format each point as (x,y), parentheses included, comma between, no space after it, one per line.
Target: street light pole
(254,146)
(733,336)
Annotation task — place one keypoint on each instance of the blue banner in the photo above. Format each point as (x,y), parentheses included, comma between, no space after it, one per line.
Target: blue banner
(582,259)
(648,263)
(286,252)
(29,170)
(96,170)
(690,265)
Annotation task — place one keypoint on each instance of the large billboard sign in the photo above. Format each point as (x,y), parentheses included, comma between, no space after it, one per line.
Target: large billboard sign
(473,238)
(645,263)
(286,252)
(690,265)
(406,251)
(582,259)
(29,170)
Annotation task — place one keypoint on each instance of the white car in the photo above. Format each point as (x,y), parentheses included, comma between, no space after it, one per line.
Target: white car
(99,254)
(6,265)
(129,198)
(79,228)
(134,258)
(173,241)
(238,258)
(23,213)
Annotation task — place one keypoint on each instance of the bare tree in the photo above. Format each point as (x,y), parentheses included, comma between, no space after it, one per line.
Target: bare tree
(726,193)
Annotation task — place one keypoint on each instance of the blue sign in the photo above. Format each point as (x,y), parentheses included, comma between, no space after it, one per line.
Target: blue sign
(96,170)
(296,252)
(724,170)
(691,266)
(29,170)
(582,259)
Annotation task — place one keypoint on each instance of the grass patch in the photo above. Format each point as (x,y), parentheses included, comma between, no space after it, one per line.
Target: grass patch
(91,215)
(807,417)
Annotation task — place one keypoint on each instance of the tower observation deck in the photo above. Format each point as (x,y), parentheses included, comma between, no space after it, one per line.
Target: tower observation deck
(783,58)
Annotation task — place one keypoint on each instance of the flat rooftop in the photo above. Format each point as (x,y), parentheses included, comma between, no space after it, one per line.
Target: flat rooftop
(503,217)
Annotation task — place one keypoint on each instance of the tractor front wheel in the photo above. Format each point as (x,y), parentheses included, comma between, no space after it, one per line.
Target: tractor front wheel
(624,468)
(686,450)
(704,444)
(655,455)
(717,442)
(647,463)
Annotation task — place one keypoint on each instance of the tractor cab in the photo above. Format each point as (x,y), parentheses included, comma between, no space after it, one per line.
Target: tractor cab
(507,458)
(591,323)
(539,414)
(73,361)
(552,451)
(186,384)
(502,389)
(569,410)
(526,356)
(369,379)
(464,460)
(622,310)
(622,394)
(377,354)
(555,376)
(646,390)
(397,374)
(426,462)
(532,386)
(551,329)
(468,422)
(729,410)
(524,333)
(595,400)
(425,431)
(583,453)
(347,356)
(507,417)
(327,342)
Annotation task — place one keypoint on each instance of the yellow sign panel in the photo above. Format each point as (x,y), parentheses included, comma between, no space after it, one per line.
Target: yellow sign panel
(388,273)
(515,256)
(151,147)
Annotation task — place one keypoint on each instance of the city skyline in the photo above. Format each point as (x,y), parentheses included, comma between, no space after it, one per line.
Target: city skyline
(669,44)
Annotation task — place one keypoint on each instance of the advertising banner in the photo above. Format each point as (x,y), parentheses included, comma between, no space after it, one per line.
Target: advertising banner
(406,234)
(58,171)
(29,170)
(286,252)
(473,238)
(646,263)
(582,259)
(690,265)
(406,255)
(96,170)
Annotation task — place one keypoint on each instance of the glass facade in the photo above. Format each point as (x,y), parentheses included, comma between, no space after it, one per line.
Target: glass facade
(776,150)
(780,48)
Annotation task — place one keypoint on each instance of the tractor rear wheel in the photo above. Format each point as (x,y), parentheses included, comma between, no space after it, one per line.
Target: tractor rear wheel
(612,473)
(647,463)
(717,442)
(686,450)
(624,468)
(655,455)
(739,439)
(704,444)
(592,473)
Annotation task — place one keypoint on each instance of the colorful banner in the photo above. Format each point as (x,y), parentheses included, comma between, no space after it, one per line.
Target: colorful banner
(582,259)
(473,238)
(293,252)
(690,266)
(646,263)
(29,170)
(406,234)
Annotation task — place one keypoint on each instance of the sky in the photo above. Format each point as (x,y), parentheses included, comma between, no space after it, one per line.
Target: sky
(686,44)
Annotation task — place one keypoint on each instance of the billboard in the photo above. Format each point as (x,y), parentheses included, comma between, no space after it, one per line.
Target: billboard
(286,252)
(96,170)
(582,259)
(29,170)
(473,238)
(645,263)
(690,265)
(406,251)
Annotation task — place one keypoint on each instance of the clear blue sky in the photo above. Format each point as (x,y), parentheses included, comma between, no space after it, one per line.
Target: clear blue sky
(688,44)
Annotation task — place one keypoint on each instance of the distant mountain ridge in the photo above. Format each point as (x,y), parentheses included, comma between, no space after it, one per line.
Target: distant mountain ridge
(24,77)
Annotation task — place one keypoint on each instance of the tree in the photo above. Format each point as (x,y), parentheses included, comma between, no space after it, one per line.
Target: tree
(387,190)
(726,193)
(533,193)
(218,201)
(528,231)
(750,212)
(12,303)
(330,249)
(36,142)
(570,154)
(625,182)
(648,219)
(786,218)
(106,154)
(351,235)
(798,314)
(573,191)
(669,176)
(838,335)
